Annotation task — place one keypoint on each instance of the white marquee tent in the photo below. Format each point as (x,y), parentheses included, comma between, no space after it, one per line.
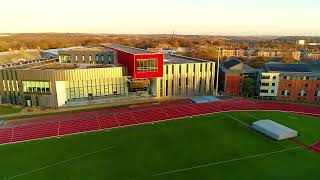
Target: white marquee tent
(274,130)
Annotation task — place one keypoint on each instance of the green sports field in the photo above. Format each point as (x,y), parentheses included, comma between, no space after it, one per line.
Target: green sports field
(218,147)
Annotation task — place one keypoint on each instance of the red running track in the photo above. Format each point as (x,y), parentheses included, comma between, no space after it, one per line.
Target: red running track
(100,120)
(316,148)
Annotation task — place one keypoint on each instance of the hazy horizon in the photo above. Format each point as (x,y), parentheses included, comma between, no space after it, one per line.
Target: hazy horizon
(188,17)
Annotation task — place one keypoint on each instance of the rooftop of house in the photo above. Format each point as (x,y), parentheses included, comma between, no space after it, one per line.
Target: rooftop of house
(233,62)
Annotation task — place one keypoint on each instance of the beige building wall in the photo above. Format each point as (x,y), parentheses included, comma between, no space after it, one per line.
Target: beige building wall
(272,80)
(190,79)
(11,86)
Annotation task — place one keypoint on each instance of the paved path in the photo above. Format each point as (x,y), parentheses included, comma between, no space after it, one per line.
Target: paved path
(118,103)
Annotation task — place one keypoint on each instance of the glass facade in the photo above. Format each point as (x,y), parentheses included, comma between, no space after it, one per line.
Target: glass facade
(64,59)
(36,86)
(147,65)
(96,88)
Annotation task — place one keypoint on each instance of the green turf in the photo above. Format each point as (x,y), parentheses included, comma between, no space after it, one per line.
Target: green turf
(141,152)
(9,109)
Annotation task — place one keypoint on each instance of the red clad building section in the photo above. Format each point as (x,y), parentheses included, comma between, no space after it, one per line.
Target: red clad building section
(311,87)
(129,57)
(234,85)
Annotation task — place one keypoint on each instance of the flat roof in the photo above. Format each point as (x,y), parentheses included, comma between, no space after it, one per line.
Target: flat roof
(58,66)
(280,67)
(85,48)
(175,59)
(130,50)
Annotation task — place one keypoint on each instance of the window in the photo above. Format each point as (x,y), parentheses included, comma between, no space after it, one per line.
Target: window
(273,84)
(264,84)
(36,86)
(289,84)
(264,91)
(317,94)
(90,59)
(265,77)
(147,65)
(97,59)
(306,85)
(65,59)
(83,58)
(272,91)
(274,77)
(77,58)
(109,59)
(302,93)
(286,92)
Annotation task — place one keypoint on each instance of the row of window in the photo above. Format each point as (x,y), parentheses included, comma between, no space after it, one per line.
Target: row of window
(95,88)
(147,65)
(300,78)
(269,77)
(99,59)
(301,85)
(267,91)
(36,86)
(268,84)
(300,93)
(204,67)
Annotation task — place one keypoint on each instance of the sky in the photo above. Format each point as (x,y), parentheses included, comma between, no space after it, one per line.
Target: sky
(204,17)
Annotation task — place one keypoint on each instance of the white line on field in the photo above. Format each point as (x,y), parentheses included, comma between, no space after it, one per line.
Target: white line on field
(59,163)
(225,162)
(238,120)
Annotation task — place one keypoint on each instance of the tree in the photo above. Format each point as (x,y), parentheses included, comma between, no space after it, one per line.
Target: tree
(248,87)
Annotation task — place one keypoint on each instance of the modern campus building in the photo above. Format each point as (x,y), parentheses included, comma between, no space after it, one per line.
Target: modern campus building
(299,82)
(101,73)
(294,82)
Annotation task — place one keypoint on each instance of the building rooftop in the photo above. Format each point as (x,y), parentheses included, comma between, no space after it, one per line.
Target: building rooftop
(128,49)
(175,59)
(314,66)
(280,67)
(231,63)
(84,48)
(59,66)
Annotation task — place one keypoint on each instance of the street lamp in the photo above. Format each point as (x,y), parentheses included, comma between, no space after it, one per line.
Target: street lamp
(217,74)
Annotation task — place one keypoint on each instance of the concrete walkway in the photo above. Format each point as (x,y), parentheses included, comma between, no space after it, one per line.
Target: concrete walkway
(93,106)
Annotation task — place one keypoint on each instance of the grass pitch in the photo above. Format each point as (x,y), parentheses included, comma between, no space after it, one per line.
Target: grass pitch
(206,147)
